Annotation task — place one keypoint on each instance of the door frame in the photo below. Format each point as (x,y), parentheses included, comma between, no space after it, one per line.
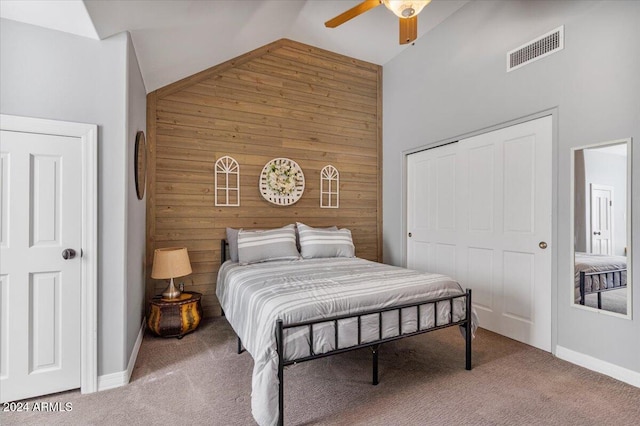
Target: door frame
(88,135)
(555,171)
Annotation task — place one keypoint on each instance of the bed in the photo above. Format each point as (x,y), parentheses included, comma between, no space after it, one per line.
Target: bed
(596,273)
(294,310)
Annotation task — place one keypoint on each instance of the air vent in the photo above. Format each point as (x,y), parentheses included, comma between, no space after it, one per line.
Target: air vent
(538,48)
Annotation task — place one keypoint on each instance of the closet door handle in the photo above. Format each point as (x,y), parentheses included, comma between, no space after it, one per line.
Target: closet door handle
(68,254)
(409,234)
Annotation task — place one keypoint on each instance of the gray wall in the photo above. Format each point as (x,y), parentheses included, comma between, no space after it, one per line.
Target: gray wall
(54,75)
(136,211)
(453,82)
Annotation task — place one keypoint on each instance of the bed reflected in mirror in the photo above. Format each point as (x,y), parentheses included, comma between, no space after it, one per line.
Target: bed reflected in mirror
(602,217)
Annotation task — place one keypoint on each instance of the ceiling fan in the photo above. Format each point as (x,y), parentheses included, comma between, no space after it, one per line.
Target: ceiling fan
(406,10)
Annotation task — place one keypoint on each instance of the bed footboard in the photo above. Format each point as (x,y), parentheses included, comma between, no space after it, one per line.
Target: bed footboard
(375,344)
(604,276)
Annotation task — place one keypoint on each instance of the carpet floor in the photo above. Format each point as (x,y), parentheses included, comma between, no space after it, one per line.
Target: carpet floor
(201,380)
(613,301)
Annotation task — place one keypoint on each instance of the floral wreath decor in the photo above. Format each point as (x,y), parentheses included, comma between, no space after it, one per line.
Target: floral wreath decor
(281,181)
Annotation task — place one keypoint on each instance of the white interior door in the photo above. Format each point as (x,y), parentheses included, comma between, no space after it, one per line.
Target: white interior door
(41,215)
(479,210)
(601,219)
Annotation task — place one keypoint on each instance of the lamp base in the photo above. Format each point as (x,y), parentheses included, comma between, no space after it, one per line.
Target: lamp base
(171,292)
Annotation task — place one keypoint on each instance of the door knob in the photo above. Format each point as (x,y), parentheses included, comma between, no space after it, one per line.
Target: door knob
(542,245)
(68,254)
(409,234)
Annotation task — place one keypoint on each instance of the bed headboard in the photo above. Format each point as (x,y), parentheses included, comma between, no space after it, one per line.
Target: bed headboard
(223,250)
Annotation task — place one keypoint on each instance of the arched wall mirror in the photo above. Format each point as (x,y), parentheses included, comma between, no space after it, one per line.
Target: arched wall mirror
(602,227)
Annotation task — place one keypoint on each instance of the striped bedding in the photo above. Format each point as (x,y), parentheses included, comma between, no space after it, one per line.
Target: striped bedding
(254,296)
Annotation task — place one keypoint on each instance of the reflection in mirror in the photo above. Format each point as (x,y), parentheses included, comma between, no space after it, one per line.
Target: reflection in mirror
(602,226)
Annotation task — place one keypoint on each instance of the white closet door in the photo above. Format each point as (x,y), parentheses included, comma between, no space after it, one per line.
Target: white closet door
(431,210)
(480,211)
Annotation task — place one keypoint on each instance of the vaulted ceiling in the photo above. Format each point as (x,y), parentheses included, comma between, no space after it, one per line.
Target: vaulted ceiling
(175,39)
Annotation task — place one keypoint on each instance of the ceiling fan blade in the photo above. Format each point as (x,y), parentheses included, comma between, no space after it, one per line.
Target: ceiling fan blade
(408,29)
(352,13)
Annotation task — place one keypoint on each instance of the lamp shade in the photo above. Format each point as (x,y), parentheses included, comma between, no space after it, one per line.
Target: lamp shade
(405,8)
(170,262)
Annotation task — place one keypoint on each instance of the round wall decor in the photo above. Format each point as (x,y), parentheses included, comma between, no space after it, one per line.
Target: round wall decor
(281,182)
(140,164)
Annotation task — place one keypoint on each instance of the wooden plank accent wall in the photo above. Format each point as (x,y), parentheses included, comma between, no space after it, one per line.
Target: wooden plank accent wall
(285,99)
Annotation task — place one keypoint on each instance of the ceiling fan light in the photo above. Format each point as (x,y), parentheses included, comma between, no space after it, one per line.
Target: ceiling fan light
(405,8)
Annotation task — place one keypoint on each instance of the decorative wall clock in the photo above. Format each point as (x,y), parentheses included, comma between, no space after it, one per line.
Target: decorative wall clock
(281,182)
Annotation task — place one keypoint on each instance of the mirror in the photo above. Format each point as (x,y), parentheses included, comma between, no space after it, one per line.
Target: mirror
(602,227)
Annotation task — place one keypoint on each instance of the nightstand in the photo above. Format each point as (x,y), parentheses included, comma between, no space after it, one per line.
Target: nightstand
(175,317)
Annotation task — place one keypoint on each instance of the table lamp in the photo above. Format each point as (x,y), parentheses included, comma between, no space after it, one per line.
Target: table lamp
(170,263)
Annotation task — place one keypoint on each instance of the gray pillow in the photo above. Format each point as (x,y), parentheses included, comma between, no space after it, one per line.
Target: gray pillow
(315,242)
(232,240)
(271,244)
(330,228)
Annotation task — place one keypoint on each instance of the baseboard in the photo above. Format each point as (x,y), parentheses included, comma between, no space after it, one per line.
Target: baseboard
(113,380)
(136,349)
(619,373)
(121,378)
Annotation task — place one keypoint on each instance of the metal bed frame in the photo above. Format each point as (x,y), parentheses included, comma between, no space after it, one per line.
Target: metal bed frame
(604,275)
(375,344)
